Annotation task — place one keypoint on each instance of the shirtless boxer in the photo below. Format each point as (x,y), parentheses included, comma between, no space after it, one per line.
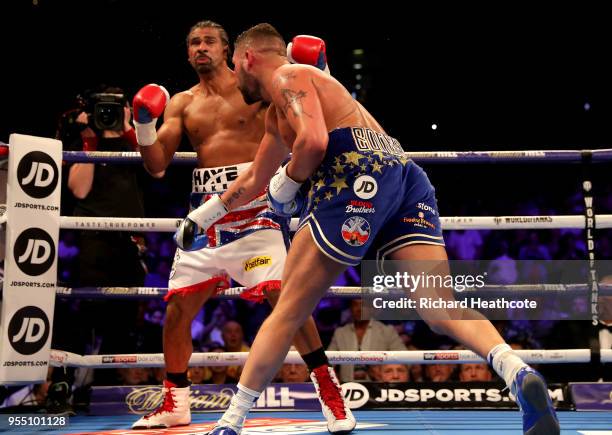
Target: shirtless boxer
(340,154)
(248,245)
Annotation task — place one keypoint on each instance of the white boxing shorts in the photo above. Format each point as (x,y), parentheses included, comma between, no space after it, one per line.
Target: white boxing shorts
(249,245)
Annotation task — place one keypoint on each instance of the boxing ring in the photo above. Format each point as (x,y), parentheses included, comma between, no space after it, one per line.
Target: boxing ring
(368,423)
(441,422)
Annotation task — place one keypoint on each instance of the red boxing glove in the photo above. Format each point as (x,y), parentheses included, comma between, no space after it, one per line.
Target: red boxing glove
(90,143)
(149,104)
(308,50)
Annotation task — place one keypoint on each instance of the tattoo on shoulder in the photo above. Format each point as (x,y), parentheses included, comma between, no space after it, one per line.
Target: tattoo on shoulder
(279,82)
(293,102)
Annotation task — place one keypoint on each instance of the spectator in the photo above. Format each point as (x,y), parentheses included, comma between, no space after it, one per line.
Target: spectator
(464,244)
(233,337)
(68,257)
(159,276)
(502,269)
(212,331)
(294,373)
(605,319)
(221,374)
(159,373)
(363,335)
(394,373)
(197,375)
(155,316)
(440,372)
(475,372)
(30,395)
(417,373)
(134,376)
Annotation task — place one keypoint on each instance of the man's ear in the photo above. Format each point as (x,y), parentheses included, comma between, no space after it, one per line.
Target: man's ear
(250,58)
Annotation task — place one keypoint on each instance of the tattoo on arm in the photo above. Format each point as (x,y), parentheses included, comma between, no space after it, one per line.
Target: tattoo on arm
(235,196)
(292,102)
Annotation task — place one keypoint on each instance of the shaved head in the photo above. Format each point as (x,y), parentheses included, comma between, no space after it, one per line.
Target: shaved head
(261,38)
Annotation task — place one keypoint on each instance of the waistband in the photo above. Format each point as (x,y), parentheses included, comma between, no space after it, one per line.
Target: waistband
(362,139)
(216,180)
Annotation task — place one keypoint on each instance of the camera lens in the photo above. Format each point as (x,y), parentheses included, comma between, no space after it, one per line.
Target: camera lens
(109,116)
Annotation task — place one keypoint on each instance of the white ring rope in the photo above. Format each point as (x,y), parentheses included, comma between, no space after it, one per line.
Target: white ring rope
(336,291)
(60,358)
(167,225)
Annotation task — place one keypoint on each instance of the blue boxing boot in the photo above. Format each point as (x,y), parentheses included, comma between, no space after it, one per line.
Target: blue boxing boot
(528,388)
(222,430)
(531,394)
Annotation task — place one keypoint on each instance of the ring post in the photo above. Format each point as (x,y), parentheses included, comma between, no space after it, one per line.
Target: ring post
(32,232)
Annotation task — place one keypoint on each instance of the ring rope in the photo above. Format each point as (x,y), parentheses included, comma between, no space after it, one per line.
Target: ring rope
(520,290)
(426,157)
(60,358)
(168,225)
(540,156)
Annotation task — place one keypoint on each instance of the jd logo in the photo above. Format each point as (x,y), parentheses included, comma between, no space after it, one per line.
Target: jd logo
(365,187)
(37,174)
(28,330)
(34,251)
(356,395)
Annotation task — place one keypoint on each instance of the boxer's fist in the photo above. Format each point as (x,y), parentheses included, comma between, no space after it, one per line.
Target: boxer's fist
(285,209)
(189,237)
(283,196)
(308,50)
(191,233)
(149,104)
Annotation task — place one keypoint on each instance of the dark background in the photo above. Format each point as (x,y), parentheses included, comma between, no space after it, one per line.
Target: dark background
(513,77)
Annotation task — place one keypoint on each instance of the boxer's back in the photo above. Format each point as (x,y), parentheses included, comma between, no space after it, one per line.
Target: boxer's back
(339,107)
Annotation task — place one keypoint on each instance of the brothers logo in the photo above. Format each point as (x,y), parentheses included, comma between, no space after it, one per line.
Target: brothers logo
(37,174)
(34,251)
(28,330)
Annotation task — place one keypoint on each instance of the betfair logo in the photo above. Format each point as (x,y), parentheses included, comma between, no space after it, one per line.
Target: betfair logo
(254,262)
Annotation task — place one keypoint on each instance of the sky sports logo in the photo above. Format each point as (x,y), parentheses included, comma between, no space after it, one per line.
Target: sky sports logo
(129,359)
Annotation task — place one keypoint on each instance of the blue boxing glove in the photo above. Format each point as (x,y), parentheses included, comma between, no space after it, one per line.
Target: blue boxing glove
(283,195)
(191,233)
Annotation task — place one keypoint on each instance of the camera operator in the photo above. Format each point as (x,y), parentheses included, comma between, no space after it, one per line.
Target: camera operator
(107,258)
